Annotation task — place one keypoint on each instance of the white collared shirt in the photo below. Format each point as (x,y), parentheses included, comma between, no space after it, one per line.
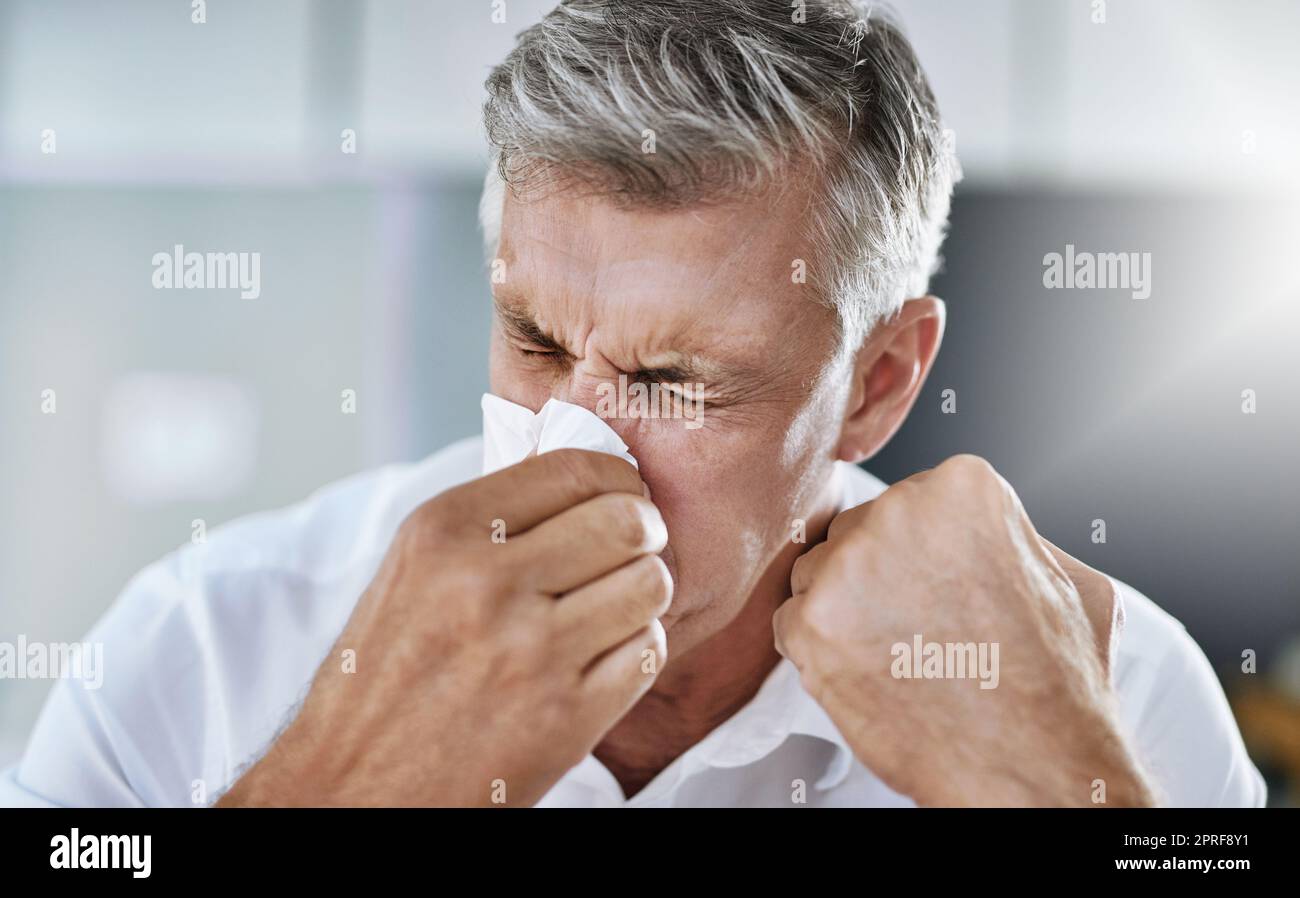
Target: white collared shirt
(208,650)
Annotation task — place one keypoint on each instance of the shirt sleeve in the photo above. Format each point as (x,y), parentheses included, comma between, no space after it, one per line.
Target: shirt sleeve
(1184,731)
(114,745)
(73,758)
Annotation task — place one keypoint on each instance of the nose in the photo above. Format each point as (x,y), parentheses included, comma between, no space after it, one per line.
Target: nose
(582,384)
(597,392)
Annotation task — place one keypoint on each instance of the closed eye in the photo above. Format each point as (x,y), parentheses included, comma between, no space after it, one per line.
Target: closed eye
(539,353)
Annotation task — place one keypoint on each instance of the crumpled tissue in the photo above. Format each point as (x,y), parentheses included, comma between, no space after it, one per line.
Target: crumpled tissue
(511,432)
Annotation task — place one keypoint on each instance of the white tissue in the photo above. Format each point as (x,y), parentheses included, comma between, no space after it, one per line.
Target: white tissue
(511,431)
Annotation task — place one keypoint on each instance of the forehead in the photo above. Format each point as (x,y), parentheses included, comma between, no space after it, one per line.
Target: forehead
(570,254)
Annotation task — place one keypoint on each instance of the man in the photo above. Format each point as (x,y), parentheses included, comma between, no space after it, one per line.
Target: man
(736,194)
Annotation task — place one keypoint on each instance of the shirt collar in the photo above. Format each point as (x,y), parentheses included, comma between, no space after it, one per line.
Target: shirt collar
(781,708)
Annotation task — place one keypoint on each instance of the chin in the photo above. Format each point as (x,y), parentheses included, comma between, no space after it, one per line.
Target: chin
(687,624)
(683,630)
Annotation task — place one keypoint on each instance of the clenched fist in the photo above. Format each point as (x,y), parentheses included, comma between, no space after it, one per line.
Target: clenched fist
(1010,702)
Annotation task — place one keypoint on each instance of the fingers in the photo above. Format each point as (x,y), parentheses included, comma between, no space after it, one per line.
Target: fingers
(603,613)
(806,566)
(583,543)
(783,625)
(542,486)
(615,681)
(847,520)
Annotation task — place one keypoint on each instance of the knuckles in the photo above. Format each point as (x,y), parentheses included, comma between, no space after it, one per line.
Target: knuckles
(431,523)
(962,482)
(970,475)
(952,498)
(630,522)
(821,615)
(653,643)
(655,582)
(967,466)
(646,593)
(623,521)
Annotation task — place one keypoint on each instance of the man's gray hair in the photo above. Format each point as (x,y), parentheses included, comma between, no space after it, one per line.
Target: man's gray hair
(737,96)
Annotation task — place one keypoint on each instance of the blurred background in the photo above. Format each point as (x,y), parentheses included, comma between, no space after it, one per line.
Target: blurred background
(1160,127)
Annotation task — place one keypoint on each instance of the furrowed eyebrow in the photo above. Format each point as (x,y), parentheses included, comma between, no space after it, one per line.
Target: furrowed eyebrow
(683,373)
(689,370)
(523,327)
(686,368)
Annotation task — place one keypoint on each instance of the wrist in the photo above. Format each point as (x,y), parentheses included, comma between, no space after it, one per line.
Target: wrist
(1098,770)
(277,778)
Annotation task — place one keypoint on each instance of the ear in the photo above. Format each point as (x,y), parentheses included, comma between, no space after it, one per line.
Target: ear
(887,375)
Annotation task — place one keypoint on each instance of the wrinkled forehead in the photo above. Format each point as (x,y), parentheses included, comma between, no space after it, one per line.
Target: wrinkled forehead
(721,265)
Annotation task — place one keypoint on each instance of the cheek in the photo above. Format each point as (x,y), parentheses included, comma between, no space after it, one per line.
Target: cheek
(763,459)
(728,497)
(499,374)
(510,377)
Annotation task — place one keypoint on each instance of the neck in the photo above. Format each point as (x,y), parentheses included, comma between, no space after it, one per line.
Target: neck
(702,689)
